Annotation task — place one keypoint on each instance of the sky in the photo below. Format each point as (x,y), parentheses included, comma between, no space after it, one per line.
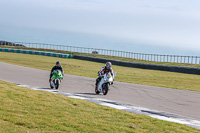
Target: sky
(170,23)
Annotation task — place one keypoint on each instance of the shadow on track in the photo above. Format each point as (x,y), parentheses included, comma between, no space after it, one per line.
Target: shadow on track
(93,94)
(45,88)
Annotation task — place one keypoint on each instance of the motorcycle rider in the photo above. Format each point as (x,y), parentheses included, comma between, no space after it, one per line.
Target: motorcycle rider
(56,67)
(103,70)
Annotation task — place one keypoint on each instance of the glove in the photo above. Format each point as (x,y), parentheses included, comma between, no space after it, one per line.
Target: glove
(101,72)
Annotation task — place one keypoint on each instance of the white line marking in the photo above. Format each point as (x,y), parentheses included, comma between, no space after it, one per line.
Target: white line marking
(113,104)
(78,97)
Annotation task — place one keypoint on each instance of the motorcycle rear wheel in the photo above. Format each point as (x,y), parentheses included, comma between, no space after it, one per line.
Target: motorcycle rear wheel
(96,90)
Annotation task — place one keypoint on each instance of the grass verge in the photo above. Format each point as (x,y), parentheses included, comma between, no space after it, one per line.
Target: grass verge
(25,110)
(107,57)
(90,69)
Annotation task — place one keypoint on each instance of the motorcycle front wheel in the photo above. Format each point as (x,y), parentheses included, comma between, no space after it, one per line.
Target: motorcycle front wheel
(57,84)
(105,89)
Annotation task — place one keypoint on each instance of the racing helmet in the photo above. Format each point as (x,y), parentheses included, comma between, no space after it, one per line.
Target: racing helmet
(108,65)
(58,63)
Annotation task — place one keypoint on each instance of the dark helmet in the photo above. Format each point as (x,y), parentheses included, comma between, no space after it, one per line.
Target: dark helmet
(108,65)
(58,63)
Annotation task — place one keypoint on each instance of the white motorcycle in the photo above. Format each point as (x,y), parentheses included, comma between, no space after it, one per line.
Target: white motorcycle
(103,85)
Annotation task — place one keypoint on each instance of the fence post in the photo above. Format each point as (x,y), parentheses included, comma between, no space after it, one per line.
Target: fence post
(161,56)
(184,59)
(177,59)
(157,57)
(192,60)
(167,57)
(196,60)
(181,59)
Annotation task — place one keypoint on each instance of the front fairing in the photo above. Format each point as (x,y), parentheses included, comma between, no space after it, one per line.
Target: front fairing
(108,78)
(57,74)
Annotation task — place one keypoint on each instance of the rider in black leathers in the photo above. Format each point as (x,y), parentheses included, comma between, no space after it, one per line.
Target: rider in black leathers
(56,67)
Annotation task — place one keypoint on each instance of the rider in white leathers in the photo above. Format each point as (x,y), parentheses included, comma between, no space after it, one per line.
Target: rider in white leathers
(103,70)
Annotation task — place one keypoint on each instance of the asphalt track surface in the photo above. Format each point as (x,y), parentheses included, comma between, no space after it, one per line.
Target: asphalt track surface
(179,102)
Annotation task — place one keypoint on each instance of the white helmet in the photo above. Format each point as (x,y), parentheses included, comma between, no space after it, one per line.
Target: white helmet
(108,65)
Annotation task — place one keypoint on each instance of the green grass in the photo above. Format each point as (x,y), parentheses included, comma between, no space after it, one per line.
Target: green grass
(108,57)
(90,69)
(23,110)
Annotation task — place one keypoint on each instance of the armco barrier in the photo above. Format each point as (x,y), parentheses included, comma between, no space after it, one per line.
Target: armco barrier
(188,70)
(60,55)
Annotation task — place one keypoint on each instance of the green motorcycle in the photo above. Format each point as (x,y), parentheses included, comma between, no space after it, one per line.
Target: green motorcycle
(56,79)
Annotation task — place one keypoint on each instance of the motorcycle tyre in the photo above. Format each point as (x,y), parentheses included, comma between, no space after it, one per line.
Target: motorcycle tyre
(96,90)
(105,89)
(57,84)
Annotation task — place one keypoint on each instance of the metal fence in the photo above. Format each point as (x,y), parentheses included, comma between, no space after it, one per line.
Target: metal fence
(138,56)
